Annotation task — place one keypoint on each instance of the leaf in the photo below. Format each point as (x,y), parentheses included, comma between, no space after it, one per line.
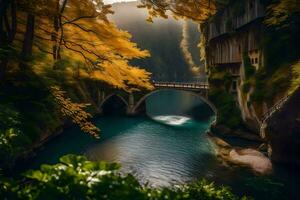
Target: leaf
(73,160)
(35,174)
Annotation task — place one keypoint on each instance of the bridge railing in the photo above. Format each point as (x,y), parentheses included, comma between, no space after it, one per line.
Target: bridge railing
(181,85)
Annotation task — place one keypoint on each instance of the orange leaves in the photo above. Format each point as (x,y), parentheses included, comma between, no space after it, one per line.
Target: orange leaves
(196,10)
(75,112)
(123,76)
(87,37)
(101,41)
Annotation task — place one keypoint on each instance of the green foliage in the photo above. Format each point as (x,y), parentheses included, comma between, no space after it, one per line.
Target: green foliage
(227,80)
(8,52)
(9,117)
(282,34)
(269,84)
(220,78)
(11,137)
(283,14)
(249,68)
(10,140)
(246,87)
(228,112)
(295,83)
(75,177)
(258,95)
(8,189)
(26,111)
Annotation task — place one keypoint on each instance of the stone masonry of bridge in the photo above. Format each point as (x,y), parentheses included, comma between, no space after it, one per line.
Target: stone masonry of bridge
(135,103)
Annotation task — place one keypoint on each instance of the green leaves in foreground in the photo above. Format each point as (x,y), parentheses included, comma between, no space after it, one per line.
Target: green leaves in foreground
(75,177)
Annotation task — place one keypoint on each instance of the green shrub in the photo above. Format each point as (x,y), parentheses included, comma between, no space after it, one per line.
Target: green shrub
(26,110)
(77,178)
(12,139)
(249,68)
(246,87)
(228,112)
(227,80)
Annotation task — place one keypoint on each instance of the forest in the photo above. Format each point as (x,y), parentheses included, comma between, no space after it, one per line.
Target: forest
(57,57)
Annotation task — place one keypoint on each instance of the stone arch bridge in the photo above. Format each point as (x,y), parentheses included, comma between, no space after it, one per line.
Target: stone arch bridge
(135,102)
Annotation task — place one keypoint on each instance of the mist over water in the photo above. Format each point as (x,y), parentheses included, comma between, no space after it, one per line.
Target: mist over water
(164,39)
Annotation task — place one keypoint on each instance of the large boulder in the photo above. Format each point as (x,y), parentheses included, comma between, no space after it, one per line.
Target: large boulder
(252,158)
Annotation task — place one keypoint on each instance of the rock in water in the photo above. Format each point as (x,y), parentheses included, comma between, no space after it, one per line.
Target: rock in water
(252,158)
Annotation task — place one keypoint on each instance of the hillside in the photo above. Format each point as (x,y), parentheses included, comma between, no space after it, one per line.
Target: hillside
(162,38)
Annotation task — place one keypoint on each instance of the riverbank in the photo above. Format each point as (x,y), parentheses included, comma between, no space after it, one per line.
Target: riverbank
(37,146)
(240,148)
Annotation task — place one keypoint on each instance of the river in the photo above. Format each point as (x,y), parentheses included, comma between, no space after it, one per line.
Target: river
(167,148)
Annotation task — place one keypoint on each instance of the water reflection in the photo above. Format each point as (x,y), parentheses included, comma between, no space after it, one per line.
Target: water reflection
(158,154)
(166,104)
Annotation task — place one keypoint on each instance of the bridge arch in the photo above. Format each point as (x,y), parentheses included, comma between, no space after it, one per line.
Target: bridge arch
(117,97)
(199,95)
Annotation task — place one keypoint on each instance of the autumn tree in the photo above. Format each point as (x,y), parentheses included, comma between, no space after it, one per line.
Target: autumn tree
(98,43)
(75,30)
(197,10)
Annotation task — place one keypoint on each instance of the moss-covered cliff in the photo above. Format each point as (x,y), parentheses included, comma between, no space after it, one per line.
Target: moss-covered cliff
(252,62)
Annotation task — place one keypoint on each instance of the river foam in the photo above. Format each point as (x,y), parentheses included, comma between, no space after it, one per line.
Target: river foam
(173,120)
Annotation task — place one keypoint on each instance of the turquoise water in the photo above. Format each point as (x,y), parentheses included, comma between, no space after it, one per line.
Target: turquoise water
(168,148)
(156,153)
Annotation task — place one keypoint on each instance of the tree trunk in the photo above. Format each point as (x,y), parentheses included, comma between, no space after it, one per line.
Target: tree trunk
(55,33)
(3,38)
(13,28)
(28,42)
(2,44)
(57,26)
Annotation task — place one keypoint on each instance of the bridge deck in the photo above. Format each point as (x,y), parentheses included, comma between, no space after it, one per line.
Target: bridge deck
(178,85)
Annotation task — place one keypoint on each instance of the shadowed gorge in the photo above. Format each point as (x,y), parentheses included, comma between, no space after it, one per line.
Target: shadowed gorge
(114,105)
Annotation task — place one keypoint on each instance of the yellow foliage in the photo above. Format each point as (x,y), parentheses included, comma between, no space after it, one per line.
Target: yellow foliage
(279,12)
(295,82)
(122,76)
(86,36)
(198,11)
(202,44)
(75,111)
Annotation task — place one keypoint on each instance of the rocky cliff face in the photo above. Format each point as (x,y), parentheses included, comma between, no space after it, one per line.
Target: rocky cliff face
(235,32)
(233,46)
(282,131)
(248,112)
